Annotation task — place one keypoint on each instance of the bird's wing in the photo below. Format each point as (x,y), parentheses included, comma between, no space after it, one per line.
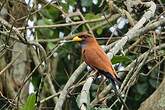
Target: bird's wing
(95,57)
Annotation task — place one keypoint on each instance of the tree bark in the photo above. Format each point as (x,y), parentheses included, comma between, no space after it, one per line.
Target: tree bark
(21,67)
(157,100)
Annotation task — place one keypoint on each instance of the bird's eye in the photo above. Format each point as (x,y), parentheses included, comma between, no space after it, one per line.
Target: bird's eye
(80,37)
(83,37)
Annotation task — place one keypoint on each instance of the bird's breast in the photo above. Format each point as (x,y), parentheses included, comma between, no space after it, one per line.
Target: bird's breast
(83,45)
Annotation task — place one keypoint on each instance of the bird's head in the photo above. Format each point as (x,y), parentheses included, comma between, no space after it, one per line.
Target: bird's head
(84,39)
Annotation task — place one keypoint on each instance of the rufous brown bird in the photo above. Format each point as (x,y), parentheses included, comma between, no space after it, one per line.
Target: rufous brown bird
(96,58)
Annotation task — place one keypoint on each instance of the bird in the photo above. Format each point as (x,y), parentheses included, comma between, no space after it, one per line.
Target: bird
(95,57)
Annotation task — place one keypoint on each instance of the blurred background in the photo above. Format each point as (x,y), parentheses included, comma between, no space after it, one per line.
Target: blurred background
(36,61)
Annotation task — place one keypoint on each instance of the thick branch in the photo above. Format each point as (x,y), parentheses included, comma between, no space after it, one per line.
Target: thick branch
(157,100)
(84,102)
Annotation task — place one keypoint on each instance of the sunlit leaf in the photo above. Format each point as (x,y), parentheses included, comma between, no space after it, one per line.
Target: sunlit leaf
(119,59)
(30,103)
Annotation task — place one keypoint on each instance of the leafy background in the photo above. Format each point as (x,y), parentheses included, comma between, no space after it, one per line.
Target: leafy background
(68,56)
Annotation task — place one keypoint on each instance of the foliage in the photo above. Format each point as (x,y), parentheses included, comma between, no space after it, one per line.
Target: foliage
(69,54)
(30,103)
(67,57)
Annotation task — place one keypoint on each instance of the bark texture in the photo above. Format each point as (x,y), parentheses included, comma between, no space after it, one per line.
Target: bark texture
(20,67)
(157,100)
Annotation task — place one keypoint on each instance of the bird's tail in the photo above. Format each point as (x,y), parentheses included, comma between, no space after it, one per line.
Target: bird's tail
(121,100)
(116,81)
(114,86)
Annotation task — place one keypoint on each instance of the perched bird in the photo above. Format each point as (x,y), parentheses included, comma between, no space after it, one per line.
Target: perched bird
(96,58)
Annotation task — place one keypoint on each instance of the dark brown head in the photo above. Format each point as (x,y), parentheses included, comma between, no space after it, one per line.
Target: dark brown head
(85,39)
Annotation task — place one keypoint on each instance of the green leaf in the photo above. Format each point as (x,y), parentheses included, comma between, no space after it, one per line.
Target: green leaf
(44,21)
(30,103)
(51,45)
(53,13)
(45,31)
(86,3)
(119,59)
(99,31)
(76,18)
(72,2)
(163,1)
(36,79)
(89,16)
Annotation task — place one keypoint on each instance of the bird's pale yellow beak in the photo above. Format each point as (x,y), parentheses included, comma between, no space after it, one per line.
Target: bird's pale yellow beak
(76,39)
